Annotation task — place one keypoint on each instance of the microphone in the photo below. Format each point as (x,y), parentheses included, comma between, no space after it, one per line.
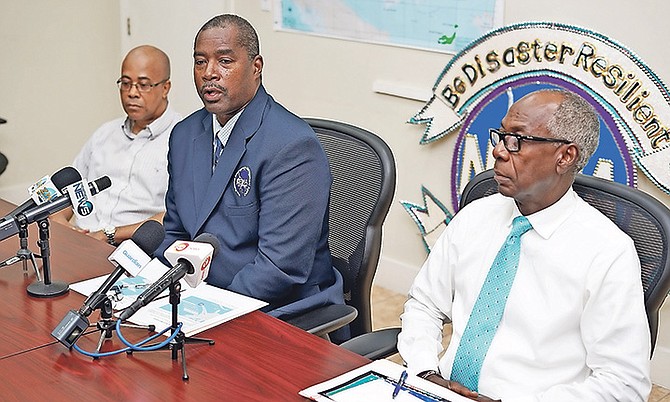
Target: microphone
(61,179)
(81,196)
(43,190)
(130,257)
(189,255)
(187,250)
(10,226)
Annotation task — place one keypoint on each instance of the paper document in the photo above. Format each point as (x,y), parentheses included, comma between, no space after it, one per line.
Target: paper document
(199,308)
(375,382)
(126,289)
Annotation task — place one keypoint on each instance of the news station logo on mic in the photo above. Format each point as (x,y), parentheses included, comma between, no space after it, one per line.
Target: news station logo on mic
(44,190)
(181,249)
(197,277)
(81,196)
(205,264)
(180,246)
(198,254)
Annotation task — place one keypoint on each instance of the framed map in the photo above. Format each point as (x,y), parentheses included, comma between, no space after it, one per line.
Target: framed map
(438,25)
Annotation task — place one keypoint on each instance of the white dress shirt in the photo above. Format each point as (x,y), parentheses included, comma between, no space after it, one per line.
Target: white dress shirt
(137,166)
(574,328)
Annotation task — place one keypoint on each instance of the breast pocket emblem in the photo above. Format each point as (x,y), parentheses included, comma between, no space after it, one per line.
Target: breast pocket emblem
(242,181)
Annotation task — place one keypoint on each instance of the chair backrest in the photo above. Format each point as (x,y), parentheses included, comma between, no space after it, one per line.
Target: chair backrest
(645,219)
(363,170)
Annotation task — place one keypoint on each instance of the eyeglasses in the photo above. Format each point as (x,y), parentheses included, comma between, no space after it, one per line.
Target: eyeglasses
(144,86)
(512,141)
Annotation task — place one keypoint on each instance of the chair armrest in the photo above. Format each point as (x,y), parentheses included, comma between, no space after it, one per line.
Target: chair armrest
(325,320)
(378,344)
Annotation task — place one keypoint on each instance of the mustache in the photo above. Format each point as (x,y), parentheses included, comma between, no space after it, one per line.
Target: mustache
(209,85)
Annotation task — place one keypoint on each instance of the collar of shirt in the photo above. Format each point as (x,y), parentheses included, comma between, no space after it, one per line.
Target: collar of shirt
(548,220)
(223,132)
(154,129)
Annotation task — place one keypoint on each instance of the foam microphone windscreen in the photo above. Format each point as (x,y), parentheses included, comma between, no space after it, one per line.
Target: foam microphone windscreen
(211,239)
(149,236)
(65,177)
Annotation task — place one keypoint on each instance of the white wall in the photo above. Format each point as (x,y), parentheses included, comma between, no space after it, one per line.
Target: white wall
(59,62)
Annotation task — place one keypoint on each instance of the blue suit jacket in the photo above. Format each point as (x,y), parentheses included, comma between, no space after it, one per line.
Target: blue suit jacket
(267,203)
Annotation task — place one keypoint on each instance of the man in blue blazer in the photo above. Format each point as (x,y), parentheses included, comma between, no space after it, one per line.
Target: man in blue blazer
(250,172)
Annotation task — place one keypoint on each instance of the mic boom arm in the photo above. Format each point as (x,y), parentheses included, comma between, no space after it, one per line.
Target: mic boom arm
(172,276)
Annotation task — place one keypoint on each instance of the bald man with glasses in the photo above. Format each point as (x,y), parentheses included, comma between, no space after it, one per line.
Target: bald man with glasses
(543,291)
(131,150)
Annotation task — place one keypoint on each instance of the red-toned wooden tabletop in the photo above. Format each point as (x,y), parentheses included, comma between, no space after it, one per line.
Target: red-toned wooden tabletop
(255,358)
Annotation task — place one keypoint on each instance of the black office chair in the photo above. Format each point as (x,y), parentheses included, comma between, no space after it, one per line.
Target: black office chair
(645,219)
(3,159)
(363,170)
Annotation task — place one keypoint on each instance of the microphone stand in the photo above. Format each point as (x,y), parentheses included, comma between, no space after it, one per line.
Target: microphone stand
(23,254)
(107,324)
(180,340)
(45,288)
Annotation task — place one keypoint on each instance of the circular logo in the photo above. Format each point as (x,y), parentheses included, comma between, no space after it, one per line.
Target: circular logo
(85,208)
(181,246)
(205,263)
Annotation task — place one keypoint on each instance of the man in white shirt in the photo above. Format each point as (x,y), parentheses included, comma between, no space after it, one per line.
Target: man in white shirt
(573,326)
(132,151)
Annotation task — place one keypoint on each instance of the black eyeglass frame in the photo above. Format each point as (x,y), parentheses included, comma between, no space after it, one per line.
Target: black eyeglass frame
(502,134)
(141,86)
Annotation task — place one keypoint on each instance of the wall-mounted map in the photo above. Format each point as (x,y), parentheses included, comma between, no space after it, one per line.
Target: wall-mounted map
(439,25)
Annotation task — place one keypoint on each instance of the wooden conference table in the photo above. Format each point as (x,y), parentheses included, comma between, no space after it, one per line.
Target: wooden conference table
(256,357)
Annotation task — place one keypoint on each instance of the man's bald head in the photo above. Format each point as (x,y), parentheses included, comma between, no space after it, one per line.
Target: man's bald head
(144,85)
(155,55)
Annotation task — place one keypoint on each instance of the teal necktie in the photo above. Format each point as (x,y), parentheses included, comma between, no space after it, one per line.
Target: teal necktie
(488,309)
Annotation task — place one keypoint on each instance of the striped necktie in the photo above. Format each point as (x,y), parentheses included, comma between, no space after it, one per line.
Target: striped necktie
(488,309)
(218,150)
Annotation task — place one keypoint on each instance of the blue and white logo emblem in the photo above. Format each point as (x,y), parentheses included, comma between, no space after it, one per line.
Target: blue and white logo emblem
(242,181)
